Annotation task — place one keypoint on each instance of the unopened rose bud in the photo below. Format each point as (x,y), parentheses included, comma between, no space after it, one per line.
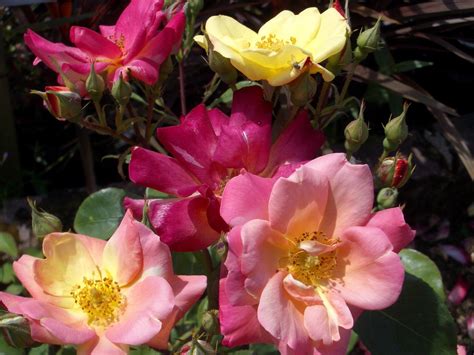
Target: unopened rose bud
(367,42)
(95,85)
(121,91)
(16,330)
(356,132)
(395,171)
(387,198)
(43,223)
(61,102)
(197,347)
(340,60)
(218,64)
(396,131)
(210,321)
(166,68)
(302,89)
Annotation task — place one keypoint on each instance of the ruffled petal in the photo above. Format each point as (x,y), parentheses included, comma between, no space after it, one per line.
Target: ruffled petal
(236,210)
(183,224)
(161,173)
(392,222)
(94,44)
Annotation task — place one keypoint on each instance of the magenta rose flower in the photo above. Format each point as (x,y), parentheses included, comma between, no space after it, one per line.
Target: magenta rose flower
(306,256)
(208,149)
(103,296)
(137,44)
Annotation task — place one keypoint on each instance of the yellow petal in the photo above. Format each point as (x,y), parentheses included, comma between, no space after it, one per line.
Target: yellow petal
(286,25)
(327,74)
(67,262)
(330,38)
(201,41)
(229,32)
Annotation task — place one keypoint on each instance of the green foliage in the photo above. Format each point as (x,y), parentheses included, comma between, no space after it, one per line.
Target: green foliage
(100,213)
(421,266)
(419,322)
(8,244)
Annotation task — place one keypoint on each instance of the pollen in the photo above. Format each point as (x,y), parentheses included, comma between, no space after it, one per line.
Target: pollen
(101,299)
(273,43)
(120,41)
(311,269)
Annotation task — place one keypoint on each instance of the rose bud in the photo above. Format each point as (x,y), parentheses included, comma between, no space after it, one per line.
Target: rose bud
(121,91)
(387,198)
(367,42)
(302,89)
(61,102)
(95,85)
(396,131)
(43,223)
(395,171)
(356,132)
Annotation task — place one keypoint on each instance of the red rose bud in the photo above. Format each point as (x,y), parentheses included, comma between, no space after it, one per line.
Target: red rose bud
(456,253)
(459,292)
(395,171)
(470,325)
(337,5)
(61,102)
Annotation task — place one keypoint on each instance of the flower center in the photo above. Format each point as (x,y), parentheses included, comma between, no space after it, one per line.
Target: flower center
(120,41)
(273,43)
(312,269)
(100,299)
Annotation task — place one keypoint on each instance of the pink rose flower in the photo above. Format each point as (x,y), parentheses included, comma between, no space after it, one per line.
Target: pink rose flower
(103,296)
(138,43)
(209,148)
(306,256)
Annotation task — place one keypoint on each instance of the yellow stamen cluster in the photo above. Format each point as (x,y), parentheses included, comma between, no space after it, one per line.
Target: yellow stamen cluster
(273,43)
(120,42)
(310,269)
(100,299)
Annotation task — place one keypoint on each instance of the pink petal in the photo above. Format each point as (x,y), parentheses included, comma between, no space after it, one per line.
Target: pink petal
(323,321)
(239,324)
(392,222)
(297,203)
(94,44)
(237,210)
(133,33)
(183,224)
(339,347)
(459,292)
(298,142)
(101,345)
(159,47)
(262,250)
(107,31)
(218,119)
(365,258)
(123,255)
(193,143)
(351,195)
(461,350)
(246,140)
(282,318)
(67,334)
(235,280)
(136,206)
(160,172)
(301,292)
(156,255)
(187,290)
(148,303)
(54,55)
(141,69)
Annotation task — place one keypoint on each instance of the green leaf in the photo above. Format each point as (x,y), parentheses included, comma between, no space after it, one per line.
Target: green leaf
(8,244)
(352,342)
(6,349)
(421,266)
(418,323)
(144,350)
(15,289)
(16,330)
(150,193)
(263,349)
(7,273)
(40,350)
(187,264)
(409,65)
(100,214)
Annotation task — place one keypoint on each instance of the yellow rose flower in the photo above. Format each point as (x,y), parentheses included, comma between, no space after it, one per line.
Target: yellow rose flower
(283,48)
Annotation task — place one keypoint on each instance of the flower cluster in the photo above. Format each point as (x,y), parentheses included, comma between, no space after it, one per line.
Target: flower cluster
(305,252)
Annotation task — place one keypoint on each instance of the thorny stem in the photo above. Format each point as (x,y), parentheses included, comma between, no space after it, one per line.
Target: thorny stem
(323,98)
(182,92)
(136,129)
(100,113)
(107,130)
(350,75)
(149,117)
